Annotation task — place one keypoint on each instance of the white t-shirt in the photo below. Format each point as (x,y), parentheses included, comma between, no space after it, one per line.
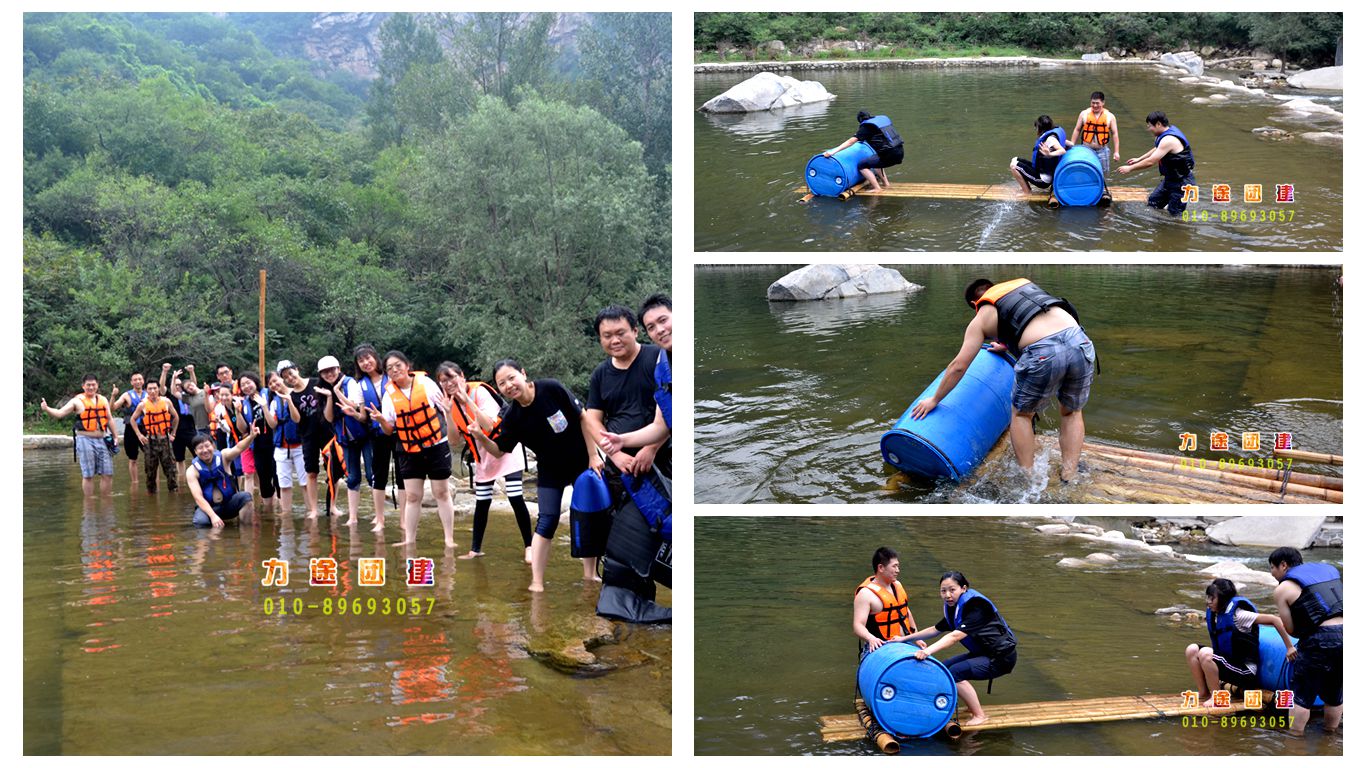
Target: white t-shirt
(434,396)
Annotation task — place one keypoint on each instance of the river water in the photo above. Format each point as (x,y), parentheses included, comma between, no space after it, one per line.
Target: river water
(793,397)
(962,125)
(144,635)
(776,666)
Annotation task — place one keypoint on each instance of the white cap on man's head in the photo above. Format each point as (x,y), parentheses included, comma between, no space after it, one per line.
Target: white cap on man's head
(328,362)
(285,364)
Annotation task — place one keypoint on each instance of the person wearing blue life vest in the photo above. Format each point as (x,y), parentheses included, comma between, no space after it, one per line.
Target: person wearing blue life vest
(1309,602)
(970,618)
(209,476)
(1049,148)
(1174,158)
(366,391)
(878,133)
(1234,651)
(129,402)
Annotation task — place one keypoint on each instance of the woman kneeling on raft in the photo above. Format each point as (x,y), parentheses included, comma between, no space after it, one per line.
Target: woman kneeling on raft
(972,619)
(216,497)
(545,417)
(1232,623)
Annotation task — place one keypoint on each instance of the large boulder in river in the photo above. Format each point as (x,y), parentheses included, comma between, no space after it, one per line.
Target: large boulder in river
(1325,79)
(1239,573)
(1269,532)
(1272,134)
(1187,60)
(1323,137)
(768,91)
(838,281)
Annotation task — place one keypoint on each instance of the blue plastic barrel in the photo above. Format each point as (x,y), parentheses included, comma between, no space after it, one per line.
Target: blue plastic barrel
(1272,671)
(910,698)
(829,176)
(590,515)
(1079,178)
(957,434)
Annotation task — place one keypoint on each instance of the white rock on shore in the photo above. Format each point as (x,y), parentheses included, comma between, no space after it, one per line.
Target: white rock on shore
(1325,79)
(1323,137)
(767,90)
(838,281)
(1270,532)
(1187,60)
(1237,572)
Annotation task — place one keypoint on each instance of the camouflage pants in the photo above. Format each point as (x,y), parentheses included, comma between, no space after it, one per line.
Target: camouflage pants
(158,456)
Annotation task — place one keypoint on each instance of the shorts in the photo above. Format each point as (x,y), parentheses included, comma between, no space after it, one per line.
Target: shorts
(1103,154)
(431,463)
(1318,670)
(248,458)
(94,456)
(312,450)
(970,666)
(1062,364)
(226,509)
(548,510)
(131,444)
(1245,678)
(180,446)
(289,467)
(1032,175)
(886,160)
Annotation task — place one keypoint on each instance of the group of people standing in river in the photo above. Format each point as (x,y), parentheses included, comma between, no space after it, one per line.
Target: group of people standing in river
(245,437)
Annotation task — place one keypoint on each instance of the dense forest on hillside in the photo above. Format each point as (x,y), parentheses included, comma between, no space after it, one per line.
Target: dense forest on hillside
(1307,39)
(483,197)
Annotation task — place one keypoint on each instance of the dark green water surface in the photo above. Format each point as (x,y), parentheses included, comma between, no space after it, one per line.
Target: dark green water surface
(962,125)
(793,397)
(144,635)
(774,667)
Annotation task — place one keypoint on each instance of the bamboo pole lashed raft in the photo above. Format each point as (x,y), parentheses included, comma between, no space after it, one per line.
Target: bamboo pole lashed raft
(1040,713)
(988,192)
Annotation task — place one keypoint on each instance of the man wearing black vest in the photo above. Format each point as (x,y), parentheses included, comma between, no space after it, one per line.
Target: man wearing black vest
(1054,358)
(878,133)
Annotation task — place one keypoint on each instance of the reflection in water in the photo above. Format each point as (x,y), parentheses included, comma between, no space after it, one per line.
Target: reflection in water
(748,170)
(774,668)
(792,400)
(135,619)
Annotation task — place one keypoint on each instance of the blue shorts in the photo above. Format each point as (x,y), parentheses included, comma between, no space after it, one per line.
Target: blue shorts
(94,456)
(226,509)
(1062,364)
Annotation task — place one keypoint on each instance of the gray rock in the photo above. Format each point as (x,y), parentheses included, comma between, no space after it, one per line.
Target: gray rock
(1322,137)
(1076,562)
(1184,522)
(838,281)
(1101,557)
(1161,549)
(1276,64)
(1200,100)
(1053,529)
(774,47)
(767,90)
(1310,106)
(1095,57)
(1191,79)
(48,442)
(1187,60)
(1239,573)
(1094,530)
(1325,79)
(1272,134)
(1330,535)
(1270,532)
(1218,97)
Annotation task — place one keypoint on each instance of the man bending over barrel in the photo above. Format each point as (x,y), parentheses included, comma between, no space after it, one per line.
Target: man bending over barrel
(1055,358)
(879,134)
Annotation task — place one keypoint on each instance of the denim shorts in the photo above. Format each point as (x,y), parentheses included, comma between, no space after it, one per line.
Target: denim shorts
(1062,364)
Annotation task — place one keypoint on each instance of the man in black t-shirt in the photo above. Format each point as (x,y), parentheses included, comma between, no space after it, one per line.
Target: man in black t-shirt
(313,431)
(621,391)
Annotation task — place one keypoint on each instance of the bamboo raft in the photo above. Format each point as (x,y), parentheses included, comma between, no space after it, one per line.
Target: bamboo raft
(988,192)
(1027,715)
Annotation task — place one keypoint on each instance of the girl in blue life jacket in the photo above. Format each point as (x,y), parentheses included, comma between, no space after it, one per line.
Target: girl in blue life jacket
(971,619)
(1232,656)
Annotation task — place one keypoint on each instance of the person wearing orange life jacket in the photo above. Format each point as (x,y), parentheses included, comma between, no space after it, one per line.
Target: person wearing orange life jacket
(474,407)
(1054,358)
(95,438)
(881,612)
(1098,131)
(1049,148)
(411,411)
(155,422)
(223,424)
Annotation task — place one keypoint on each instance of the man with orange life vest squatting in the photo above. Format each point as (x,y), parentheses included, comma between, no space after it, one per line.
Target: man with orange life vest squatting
(881,610)
(154,429)
(1053,354)
(1049,148)
(95,439)
(1174,158)
(209,476)
(1098,131)
(878,133)
(1309,602)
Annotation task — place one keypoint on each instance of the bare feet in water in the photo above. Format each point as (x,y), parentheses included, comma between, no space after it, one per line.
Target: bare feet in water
(470,555)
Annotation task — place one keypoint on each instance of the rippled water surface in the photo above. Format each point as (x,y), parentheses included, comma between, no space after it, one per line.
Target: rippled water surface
(144,635)
(793,397)
(775,667)
(962,126)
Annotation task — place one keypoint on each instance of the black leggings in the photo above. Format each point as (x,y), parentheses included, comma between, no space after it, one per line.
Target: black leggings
(483,500)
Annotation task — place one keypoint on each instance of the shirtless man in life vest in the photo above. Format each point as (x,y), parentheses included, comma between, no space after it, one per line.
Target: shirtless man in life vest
(93,426)
(1055,358)
(881,612)
(1098,130)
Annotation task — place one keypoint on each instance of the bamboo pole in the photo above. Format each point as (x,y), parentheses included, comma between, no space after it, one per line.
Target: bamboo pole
(1299,478)
(884,741)
(261,334)
(1311,458)
(1263,484)
(1195,489)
